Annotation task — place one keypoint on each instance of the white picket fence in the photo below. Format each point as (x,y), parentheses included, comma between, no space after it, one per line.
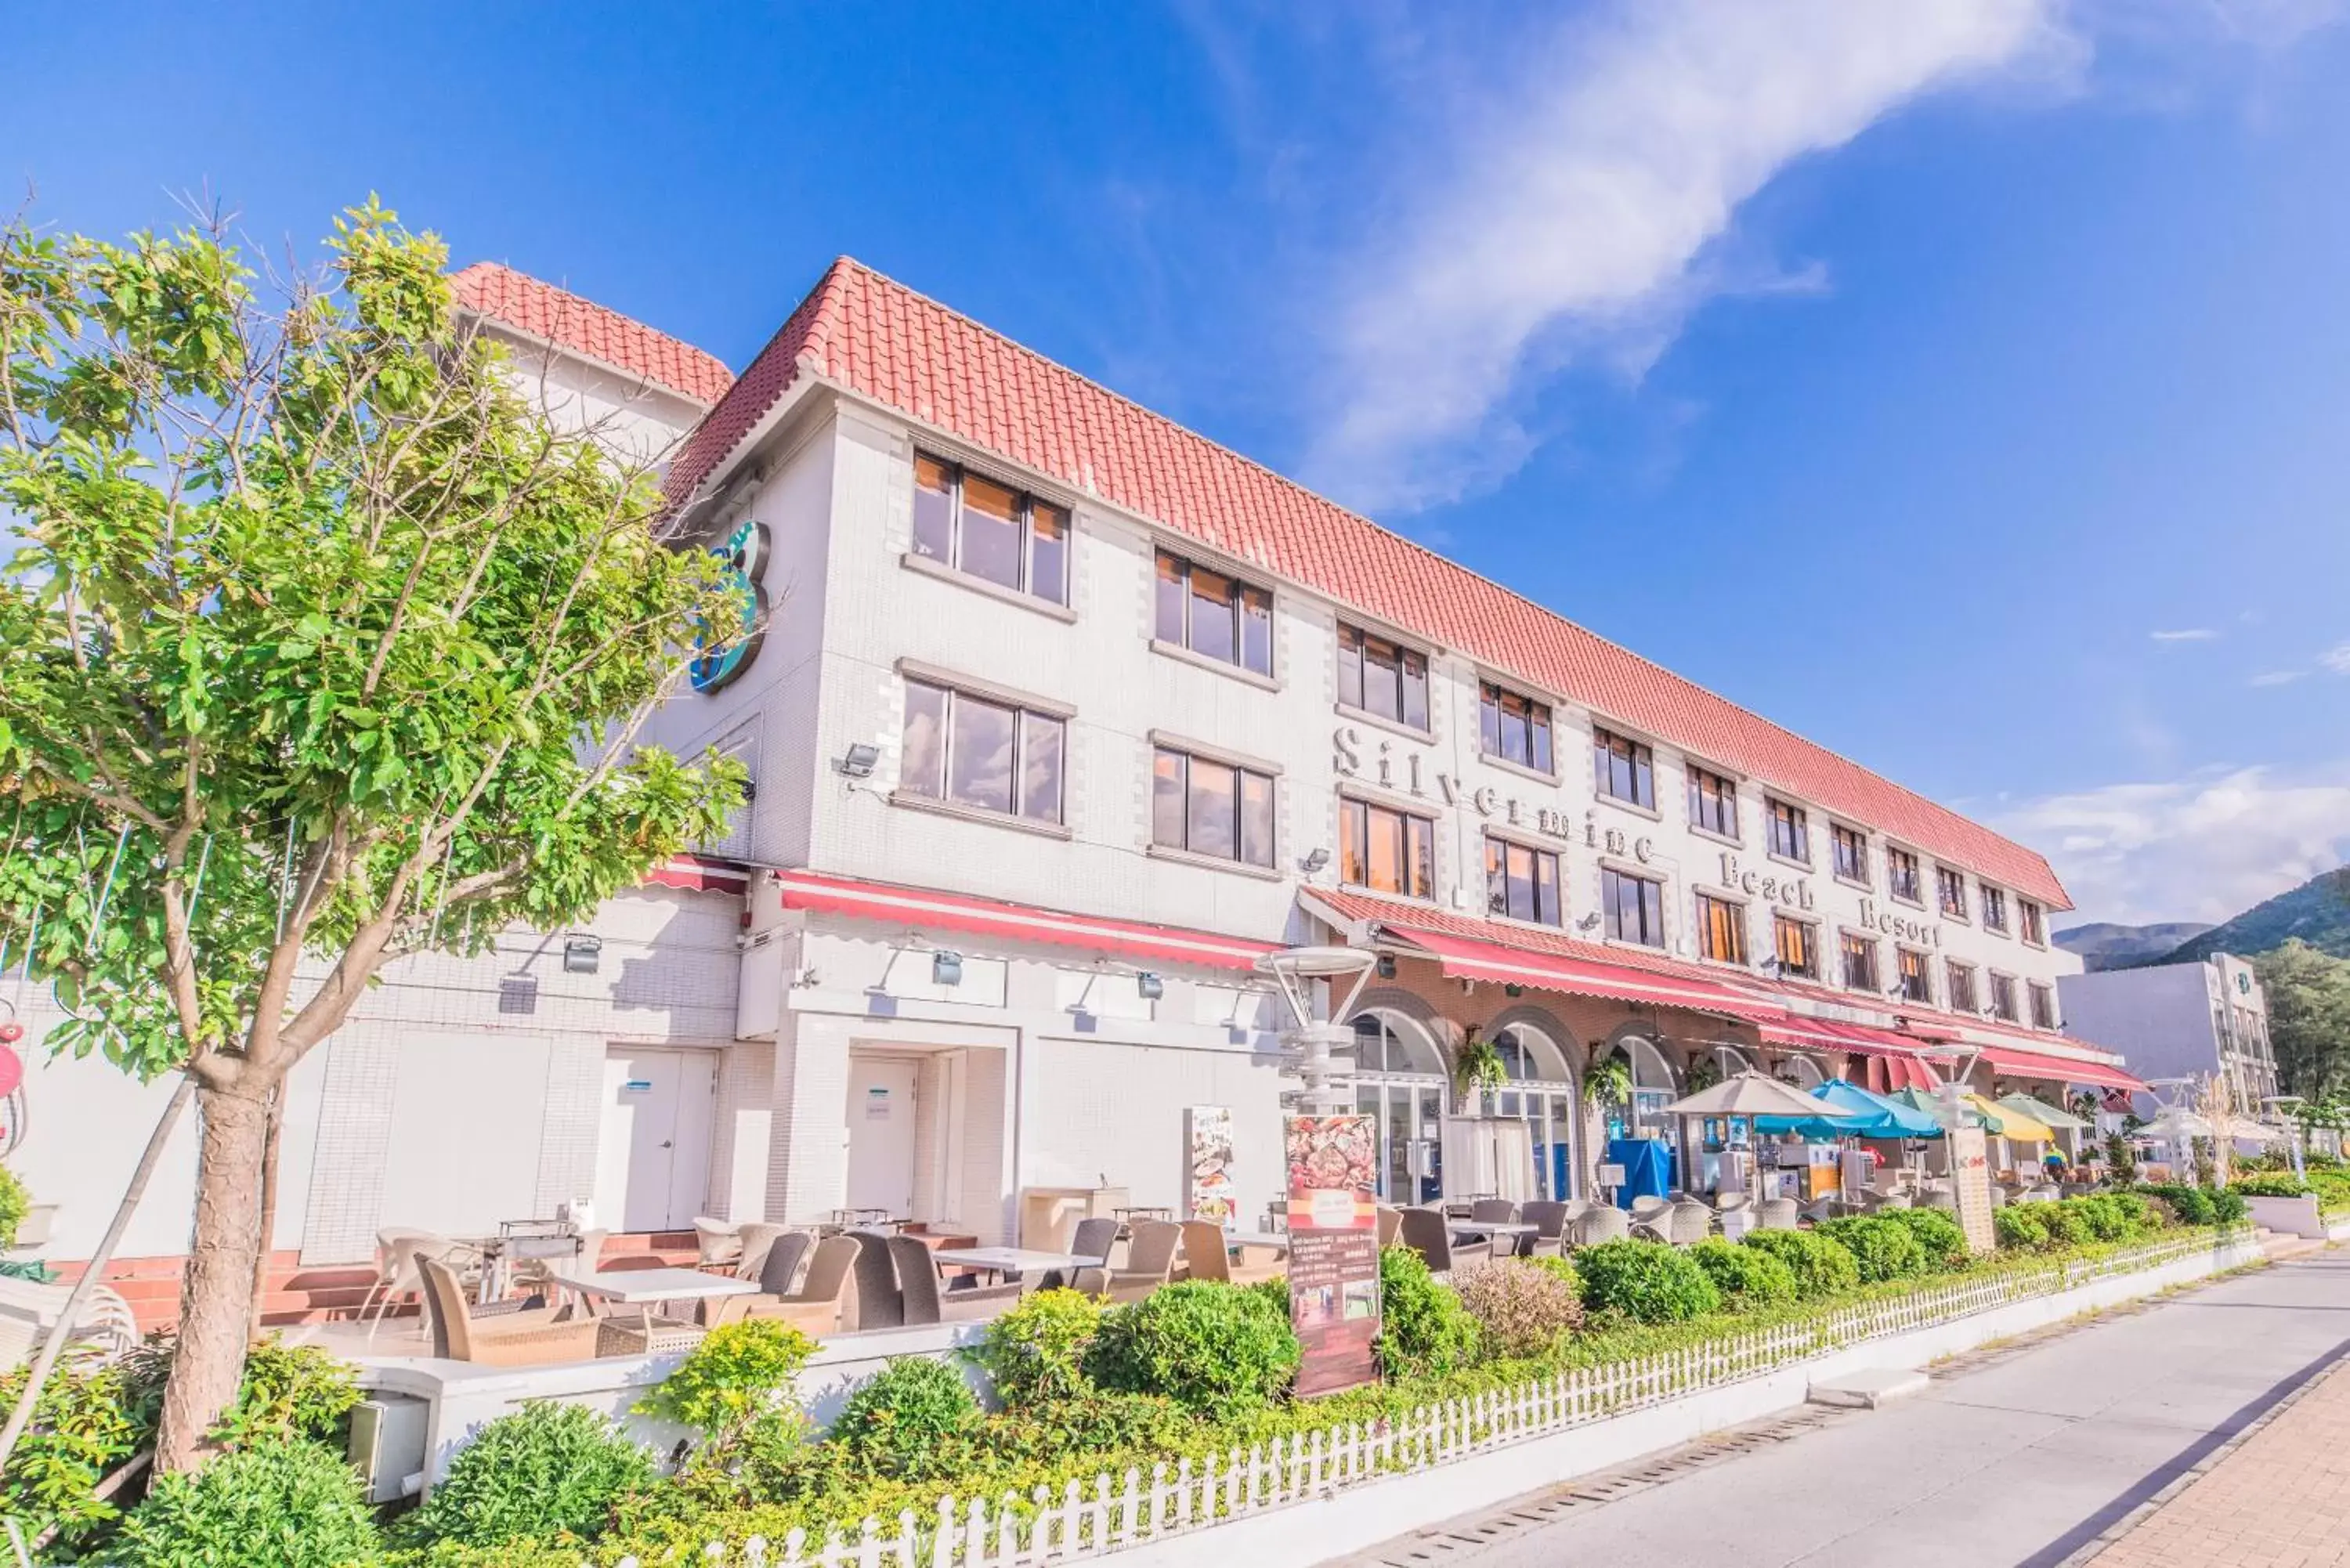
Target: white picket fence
(1115,1512)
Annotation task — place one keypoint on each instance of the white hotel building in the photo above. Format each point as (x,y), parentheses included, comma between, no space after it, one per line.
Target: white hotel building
(1063,716)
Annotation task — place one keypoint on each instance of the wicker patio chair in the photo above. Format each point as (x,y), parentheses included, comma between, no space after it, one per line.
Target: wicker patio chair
(1601,1222)
(1549,1220)
(533,1336)
(925,1302)
(1778,1214)
(30,1311)
(1206,1254)
(756,1238)
(880,1303)
(1494,1210)
(395,1268)
(1391,1224)
(715,1242)
(1428,1233)
(1150,1258)
(1093,1238)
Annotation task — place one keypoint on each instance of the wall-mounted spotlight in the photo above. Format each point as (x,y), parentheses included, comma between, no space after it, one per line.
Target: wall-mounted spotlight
(1514,991)
(1315,861)
(582,954)
(946,968)
(858,762)
(1387,966)
(1588,923)
(1150,985)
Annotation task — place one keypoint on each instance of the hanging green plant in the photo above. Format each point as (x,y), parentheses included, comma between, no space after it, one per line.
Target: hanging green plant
(1703,1074)
(1608,1082)
(1477,1065)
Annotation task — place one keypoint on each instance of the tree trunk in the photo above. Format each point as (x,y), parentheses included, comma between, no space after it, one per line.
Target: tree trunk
(217,1296)
(267,1227)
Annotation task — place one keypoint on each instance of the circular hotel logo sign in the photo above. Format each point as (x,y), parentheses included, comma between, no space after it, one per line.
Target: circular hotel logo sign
(727,651)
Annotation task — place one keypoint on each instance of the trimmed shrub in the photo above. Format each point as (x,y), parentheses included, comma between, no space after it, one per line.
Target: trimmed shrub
(1883,1249)
(2105,1219)
(1091,1422)
(2272,1185)
(1822,1265)
(2020,1226)
(2139,1211)
(2193,1205)
(1745,1276)
(2229,1208)
(284,1502)
(1209,1347)
(547,1469)
(1561,1268)
(1035,1352)
(903,1420)
(1521,1308)
(2066,1224)
(1646,1281)
(1424,1331)
(1939,1235)
(736,1375)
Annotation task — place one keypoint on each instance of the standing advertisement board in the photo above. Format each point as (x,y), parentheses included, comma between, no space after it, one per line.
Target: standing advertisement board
(1334,1249)
(1208,1191)
(1970,1180)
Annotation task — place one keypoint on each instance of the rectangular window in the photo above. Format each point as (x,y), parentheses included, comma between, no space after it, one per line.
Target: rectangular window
(1797,945)
(1521,883)
(1213,615)
(1387,851)
(2034,921)
(2003,997)
(1859,962)
(1712,802)
(1994,908)
(2044,1005)
(1514,728)
(982,754)
(990,530)
(1382,677)
(1851,849)
(1953,887)
(1791,832)
(1624,770)
(1210,808)
(1961,977)
(1634,907)
(1722,929)
(1916,985)
(1901,875)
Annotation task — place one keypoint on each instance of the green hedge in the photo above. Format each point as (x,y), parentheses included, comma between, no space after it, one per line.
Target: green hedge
(1746,1276)
(1646,1281)
(1822,1266)
(1882,1248)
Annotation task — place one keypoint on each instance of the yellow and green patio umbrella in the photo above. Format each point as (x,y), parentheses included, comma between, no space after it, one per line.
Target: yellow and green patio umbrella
(2005,1121)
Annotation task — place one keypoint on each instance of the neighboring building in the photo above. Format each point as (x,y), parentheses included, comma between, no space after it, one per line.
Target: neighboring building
(2180,1020)
(1064,716)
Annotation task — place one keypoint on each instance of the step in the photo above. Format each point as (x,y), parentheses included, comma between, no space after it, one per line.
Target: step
(1868,1388)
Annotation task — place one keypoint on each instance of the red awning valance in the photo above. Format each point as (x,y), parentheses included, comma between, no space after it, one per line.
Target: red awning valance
(916,907)
(2017,1064)
(1469,959)
(1895,1062)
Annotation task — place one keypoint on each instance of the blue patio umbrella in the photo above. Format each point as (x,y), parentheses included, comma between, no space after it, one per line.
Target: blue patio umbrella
(1849,1110)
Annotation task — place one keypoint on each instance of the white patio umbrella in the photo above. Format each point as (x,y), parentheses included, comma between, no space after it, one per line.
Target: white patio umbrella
(1749,1095)
(2174,1126)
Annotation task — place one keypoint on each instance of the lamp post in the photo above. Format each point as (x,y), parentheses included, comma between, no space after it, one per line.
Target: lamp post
(1310,1044)
(2286,1105)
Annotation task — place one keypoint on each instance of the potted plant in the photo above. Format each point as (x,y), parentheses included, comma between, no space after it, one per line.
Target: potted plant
(1478,1068)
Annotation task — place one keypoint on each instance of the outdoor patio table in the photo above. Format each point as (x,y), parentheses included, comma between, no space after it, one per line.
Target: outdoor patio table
(1462,1228)
(498,1254)
(645,1289)
(1736,1222)
(1013,1260)
(1278,1238)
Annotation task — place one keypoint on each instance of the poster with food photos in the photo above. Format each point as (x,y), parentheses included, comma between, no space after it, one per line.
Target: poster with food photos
(1334,1251)
(1208,1192)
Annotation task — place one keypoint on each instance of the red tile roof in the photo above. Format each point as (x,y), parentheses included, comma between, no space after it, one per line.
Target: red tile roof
(1404,914)
(582,326)
(880,341)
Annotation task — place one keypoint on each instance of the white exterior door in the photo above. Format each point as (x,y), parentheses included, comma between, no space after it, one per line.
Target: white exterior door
(652,1165)
(881,1135)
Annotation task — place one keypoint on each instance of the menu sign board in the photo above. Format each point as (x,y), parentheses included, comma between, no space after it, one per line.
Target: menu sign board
(1334,1249)
(1971,1181)
(1208,1175)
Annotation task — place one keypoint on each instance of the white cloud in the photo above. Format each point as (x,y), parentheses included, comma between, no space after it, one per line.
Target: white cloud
(2276,678)
(1582,209)
(2192,634)
(2336,659)
(2198,848)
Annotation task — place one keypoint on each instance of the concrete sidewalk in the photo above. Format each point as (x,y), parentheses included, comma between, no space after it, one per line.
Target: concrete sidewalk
(2027,1459)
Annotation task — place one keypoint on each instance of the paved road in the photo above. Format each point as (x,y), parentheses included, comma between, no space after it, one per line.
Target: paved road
(2027,1459)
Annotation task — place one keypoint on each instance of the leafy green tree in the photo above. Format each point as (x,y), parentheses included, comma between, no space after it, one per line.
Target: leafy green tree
(320,649)
(2308,994)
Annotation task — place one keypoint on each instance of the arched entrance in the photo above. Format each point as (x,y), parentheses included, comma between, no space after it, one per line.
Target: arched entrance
(1400,1084)
(1653,1088)
(1542,1091)
(1803,1072)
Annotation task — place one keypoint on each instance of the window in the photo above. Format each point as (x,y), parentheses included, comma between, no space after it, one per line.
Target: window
(1634,907)
(1962,987)
(989,755)
(1521,883)
(1513,728)
(1713,803)
(1850,847)
(1210,808)
(1214,615)
(1623,770)
(1859,962)
(1916,985)
(1901,875)
(1791,834)
(2002,997)
(2044,1005)
(1387,851)
(1382,677)
(2036,924)
(1798,946)
(1994,908)
(1720,930)
(990,530)
(1953,887)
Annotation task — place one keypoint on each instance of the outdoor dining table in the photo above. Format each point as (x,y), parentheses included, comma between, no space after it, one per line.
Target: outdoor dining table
(645,1289)
(1462,1228)
(499,1252)
(1278,1240)
(1013,1260)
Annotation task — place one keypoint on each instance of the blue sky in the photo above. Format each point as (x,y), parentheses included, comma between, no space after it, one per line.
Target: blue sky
(1964,384)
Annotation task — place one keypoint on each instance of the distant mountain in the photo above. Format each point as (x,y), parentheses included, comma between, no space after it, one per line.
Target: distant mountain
(2318,912)
(2104,945)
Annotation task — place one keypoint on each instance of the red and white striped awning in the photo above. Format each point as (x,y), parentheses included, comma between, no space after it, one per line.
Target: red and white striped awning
(1465,958)
(1902,1064)
(2012,1063)
(920,908)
